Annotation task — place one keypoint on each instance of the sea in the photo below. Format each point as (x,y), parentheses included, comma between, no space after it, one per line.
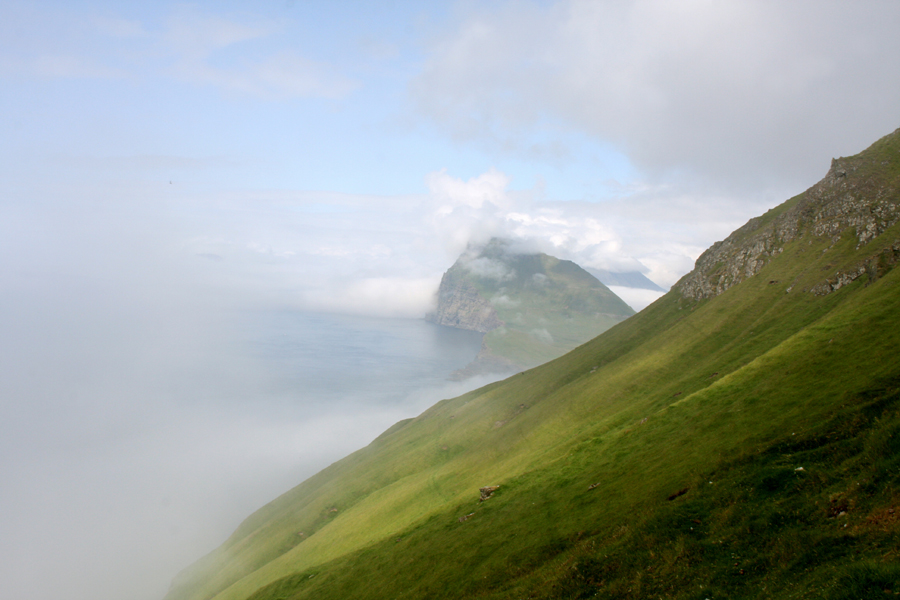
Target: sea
(325,361)
(128,471)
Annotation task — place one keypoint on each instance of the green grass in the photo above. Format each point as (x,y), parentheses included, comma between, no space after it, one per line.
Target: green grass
(745,446)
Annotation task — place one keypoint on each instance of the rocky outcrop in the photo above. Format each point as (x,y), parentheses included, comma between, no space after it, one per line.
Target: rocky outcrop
(487,491)
(461,305)
(859,192)
(872,267)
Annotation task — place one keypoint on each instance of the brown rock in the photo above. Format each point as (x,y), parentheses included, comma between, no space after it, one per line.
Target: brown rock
(488,491)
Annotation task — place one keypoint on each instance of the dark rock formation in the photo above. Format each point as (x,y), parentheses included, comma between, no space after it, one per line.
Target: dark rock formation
(488,491)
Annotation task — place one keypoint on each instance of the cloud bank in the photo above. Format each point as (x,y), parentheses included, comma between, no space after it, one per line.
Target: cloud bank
(136,429)
(743,95)
(385,255)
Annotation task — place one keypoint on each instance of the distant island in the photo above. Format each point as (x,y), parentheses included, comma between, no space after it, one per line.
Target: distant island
(532,307)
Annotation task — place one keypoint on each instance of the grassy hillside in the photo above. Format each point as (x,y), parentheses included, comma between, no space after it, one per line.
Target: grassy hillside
(745,445)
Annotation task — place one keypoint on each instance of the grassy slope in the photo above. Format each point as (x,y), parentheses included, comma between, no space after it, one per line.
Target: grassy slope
(740,391)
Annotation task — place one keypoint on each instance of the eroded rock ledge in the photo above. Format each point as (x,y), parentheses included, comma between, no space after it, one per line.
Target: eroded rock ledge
(859,192)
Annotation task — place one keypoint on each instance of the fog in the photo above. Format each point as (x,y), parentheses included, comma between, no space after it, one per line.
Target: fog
(141,418)
(146,409)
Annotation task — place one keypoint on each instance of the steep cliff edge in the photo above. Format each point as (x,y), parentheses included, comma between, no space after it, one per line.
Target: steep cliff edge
(532,307)
(861,192)
(460,305)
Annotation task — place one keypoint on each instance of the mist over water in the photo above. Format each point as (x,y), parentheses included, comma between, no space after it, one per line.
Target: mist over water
(338,359)
(125,463)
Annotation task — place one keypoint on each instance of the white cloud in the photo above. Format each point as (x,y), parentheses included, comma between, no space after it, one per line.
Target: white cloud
(541,335)
(489,268)
(59,66)
(746,94)
(468,211)
(385,255)
(198,36)
(489,187)
(655,230)
(504,301)
(378,49)
(638,299)
(395,296)
(199,41)
(287,75)
(279,77)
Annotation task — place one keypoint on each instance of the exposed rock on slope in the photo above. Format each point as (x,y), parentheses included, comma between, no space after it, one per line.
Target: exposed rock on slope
(862,192)
(460,305)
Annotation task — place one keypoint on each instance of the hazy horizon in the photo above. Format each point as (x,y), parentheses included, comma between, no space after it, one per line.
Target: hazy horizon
(167,167)
(113,484)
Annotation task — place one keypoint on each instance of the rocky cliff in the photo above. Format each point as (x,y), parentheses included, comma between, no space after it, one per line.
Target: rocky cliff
(858,193)
(461,305)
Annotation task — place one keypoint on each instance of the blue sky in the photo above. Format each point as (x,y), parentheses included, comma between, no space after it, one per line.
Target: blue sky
(290,95)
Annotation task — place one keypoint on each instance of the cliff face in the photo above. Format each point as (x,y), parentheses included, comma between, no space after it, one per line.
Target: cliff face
(461,305)
(859,192)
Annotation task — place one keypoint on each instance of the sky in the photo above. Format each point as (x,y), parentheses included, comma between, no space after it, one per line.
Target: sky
(310,153)
(164,165)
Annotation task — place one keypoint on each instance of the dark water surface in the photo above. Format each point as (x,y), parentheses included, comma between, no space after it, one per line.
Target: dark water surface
(328,360)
